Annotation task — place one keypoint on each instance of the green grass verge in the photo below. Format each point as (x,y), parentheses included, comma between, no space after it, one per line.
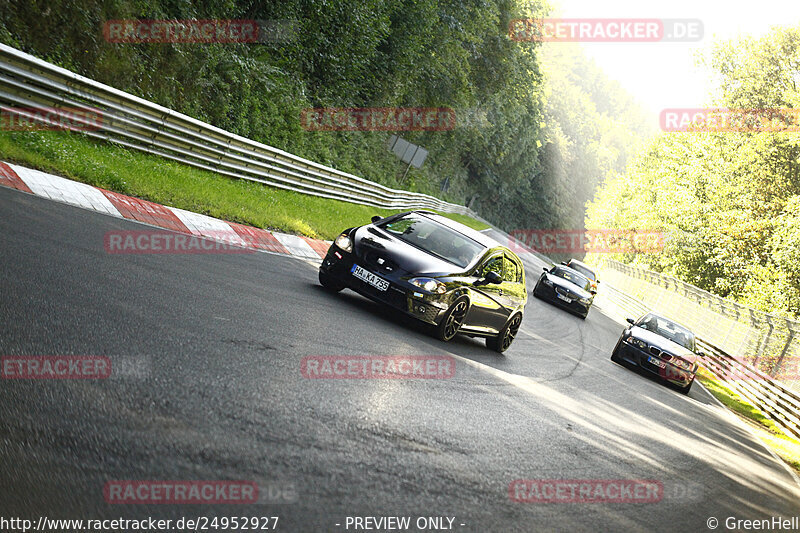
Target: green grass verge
(785,446)
(159,180)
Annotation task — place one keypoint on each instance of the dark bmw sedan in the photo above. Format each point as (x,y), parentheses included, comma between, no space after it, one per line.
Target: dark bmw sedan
(566,288)
(434,269)
(661,347)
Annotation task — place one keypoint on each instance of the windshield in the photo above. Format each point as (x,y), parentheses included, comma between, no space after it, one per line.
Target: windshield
(583,270)
(572,276)
(668,329)
(434,238)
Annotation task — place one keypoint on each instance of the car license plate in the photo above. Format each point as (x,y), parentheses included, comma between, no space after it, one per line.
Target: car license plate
(561,296)
(658,362)
(365,275)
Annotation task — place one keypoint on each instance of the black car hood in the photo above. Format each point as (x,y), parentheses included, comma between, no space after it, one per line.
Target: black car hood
(663,343)
(370,243)
(568,285)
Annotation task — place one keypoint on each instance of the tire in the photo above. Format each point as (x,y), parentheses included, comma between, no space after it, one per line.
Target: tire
(453,320)
(328,283)
(503,340)
(685,390)
(536,290)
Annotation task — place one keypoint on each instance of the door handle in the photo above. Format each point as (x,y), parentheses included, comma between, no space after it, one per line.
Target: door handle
(500,292)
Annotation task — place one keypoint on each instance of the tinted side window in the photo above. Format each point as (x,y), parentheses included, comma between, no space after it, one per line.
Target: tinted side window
(510,270)
(495,264)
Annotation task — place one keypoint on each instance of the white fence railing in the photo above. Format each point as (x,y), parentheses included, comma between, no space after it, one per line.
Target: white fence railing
(28,84)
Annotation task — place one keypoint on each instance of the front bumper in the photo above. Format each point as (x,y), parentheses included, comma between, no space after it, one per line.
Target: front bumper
(548,293)
(400,295)
(639,357)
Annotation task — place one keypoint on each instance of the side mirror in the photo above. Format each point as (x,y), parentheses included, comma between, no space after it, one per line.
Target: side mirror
(546,269)
(493,278)
(629,320)
(490,278)
(376,219)
(592,292)
(597,281)
(700,353)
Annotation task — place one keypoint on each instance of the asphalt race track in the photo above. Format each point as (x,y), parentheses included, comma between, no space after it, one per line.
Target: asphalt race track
(206,385)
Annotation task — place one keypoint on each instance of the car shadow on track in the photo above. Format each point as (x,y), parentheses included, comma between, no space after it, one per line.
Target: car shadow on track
(462,345)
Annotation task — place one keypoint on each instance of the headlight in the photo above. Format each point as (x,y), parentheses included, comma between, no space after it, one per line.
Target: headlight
(430,285)
(344,242)
(586,301)
(547,281)
(637,342)
(682,363)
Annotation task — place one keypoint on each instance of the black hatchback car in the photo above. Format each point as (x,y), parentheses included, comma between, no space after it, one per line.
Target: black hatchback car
(434,269)
(566,288)
(661,347)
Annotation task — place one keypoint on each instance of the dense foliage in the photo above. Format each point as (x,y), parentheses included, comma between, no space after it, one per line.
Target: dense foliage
(730,201)
(527,151)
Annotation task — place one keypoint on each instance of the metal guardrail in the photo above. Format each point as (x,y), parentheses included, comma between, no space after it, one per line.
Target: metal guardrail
(774,399)
(770,397)
(130,121)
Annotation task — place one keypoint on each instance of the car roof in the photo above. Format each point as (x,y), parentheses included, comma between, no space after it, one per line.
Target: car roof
(580,263)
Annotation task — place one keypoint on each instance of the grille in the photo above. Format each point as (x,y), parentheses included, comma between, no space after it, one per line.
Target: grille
(370,257)
(397,298)
(655,351)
